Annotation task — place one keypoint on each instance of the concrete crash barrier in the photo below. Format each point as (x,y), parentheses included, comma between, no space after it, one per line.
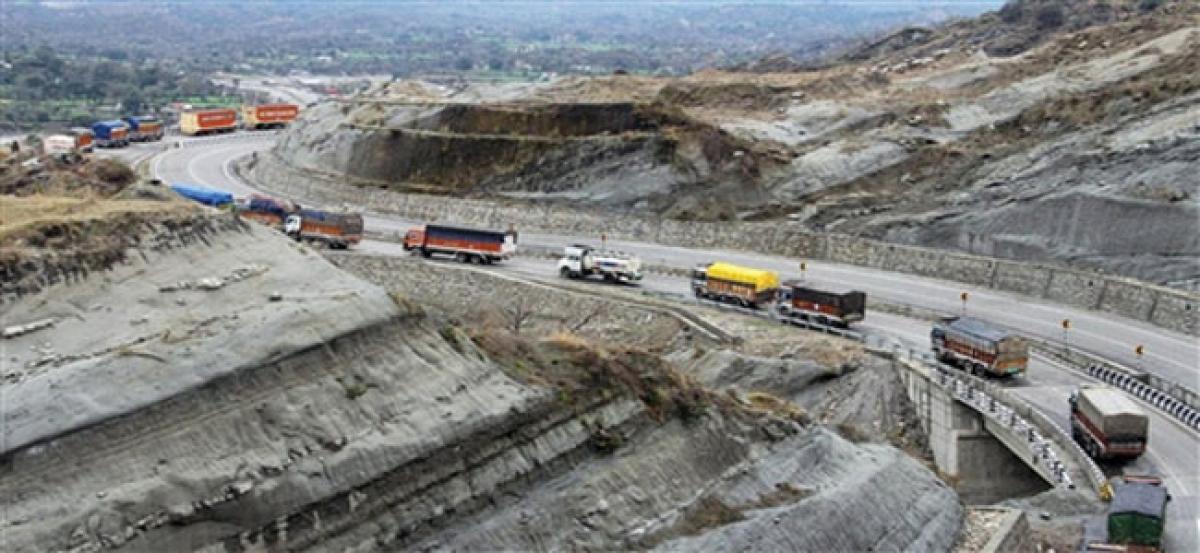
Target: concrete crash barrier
(1164,307)
(1173,399)
(1183,410)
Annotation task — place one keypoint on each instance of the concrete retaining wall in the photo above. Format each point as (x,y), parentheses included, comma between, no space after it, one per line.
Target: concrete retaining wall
(1013,535)
(1172,309)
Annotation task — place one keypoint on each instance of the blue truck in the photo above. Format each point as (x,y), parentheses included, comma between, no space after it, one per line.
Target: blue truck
(111,134)
(144,128)
(206,196)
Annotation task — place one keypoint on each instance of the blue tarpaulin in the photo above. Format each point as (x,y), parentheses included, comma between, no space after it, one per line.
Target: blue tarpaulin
(206,196)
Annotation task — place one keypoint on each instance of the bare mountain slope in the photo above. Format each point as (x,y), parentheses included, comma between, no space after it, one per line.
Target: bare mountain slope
(1023,133)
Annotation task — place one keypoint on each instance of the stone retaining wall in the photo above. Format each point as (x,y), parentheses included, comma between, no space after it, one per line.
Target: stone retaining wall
(1164,307)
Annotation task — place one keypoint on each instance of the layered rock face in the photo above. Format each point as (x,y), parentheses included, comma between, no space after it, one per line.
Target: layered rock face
(241,393)
(956,137)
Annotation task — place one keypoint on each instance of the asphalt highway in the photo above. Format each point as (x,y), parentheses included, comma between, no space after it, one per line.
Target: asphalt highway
(1174,450)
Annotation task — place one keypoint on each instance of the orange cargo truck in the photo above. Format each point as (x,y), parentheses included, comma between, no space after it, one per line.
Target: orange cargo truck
(204,121)
(268,116)
(83,139)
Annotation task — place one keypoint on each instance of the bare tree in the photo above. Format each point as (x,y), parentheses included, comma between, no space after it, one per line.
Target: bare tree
(518,313)
(599,310)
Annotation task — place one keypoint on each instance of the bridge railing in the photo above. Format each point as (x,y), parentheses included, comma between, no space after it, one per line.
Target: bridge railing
(1043,443)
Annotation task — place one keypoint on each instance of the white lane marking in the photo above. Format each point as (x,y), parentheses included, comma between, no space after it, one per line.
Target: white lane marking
(945,288)
(919,282)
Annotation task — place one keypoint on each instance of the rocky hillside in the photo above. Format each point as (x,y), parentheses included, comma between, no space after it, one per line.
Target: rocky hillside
(178,379)
(1050,130)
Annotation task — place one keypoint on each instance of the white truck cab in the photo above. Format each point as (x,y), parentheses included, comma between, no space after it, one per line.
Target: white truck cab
(292,225)
(580,260)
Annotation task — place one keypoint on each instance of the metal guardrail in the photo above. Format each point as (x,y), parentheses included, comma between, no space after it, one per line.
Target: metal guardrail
(1172,399)
(1161,400)
(191,142)
(1046,443)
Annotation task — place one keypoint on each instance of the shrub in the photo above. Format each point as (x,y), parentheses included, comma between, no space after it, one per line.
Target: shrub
(1050,16)
(114,172)
(1149,5)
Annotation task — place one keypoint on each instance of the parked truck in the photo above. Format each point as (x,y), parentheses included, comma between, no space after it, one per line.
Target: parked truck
(1135,518)
(798,301)
(730,283)
(84,139)
(979,347)
(195,122)
(335,230)
(465,244)
(202,194)
(1107,424)
(268,116)
(61,147)
(111,134)
(581,261)
(144,128)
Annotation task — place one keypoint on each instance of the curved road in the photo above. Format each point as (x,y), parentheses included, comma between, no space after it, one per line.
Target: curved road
(1174,450)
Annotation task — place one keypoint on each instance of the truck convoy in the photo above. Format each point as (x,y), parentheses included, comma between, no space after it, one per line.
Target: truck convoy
(268,116)
(729,283)
(144,128)
(207,121)
(1107,424)
(581,261)
(1135,519)
(111,134)
(466,245)
(804,303)
(979,347)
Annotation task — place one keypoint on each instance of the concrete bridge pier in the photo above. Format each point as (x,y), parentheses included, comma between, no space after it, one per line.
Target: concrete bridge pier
(966,449)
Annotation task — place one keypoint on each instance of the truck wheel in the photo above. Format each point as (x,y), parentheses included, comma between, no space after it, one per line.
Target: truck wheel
(426,253)
(564,272)
(462,257)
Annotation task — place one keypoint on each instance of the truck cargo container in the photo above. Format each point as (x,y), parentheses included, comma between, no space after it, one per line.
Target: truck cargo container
(736,285)
(207,121)
(979,347)
(84,139)
(580,261)
(111,134)
(465,244)
(1135,519)
(798,301)
(144,128)
(269,211)
(61,147)
(201,194)
(268,116)
(1107,424)
(336,230)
